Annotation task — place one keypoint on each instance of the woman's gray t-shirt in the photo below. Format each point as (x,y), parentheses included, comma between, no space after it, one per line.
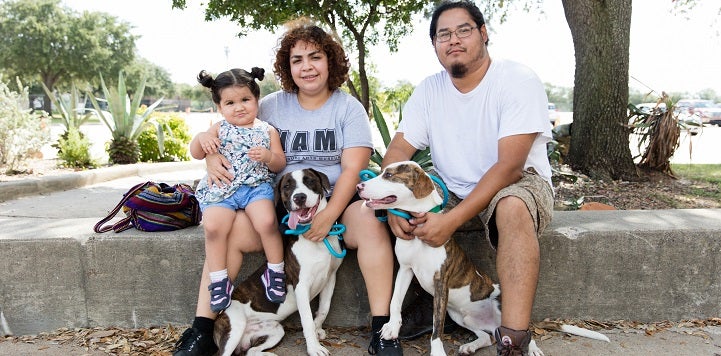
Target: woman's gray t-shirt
(316,138)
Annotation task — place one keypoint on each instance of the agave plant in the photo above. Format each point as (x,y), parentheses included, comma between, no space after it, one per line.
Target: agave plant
(126,121)
(422,157)
(72,114)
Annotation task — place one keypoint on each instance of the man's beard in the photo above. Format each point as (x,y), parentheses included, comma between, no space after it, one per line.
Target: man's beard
(458,70)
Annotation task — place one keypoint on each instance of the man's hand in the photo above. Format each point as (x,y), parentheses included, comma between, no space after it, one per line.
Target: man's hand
(401,227)
(217,166)
(433,229)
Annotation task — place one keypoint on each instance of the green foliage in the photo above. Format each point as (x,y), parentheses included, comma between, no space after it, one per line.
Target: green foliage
(126,121)
(159,82)
(359,24)
(710,173)
(22,132)
(167,141)
(43,37)
(561,96)
(392,99)
(74,150)
(422,157)
(72,114)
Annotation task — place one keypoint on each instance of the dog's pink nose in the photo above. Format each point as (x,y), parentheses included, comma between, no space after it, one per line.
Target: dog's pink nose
(360,186)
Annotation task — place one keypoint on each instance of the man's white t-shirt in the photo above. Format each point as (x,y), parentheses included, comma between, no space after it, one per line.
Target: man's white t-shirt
(463,130)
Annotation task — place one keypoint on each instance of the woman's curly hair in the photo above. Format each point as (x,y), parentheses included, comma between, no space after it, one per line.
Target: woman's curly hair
(303,30)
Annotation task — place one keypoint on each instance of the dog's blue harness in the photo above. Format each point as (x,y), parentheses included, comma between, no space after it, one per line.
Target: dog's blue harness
(367,174)
(337,229)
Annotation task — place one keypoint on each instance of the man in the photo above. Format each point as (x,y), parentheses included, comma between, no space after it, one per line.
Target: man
(486,123)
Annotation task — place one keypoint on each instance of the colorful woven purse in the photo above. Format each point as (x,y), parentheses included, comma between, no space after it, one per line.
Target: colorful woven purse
(154,206)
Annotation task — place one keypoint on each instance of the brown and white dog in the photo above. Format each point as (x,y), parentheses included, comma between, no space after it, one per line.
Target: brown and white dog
(252,323)
(446,272)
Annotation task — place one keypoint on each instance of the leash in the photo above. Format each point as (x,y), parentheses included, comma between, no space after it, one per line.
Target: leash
(336,229)
(367,174)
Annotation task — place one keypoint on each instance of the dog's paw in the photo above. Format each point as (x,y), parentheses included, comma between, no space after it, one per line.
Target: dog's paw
(259,353)
(390,330)
(321,333)
(482,341)
(533,349)
(468,349)
(318,351)
(437,348)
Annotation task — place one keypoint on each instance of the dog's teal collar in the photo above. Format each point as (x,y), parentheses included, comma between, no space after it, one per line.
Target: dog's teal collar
(337,229)
(367,174)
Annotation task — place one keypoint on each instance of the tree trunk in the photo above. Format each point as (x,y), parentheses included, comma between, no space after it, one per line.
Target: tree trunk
(599,139)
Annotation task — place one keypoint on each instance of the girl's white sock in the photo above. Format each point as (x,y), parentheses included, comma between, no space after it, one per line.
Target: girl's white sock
(277,267)
(218,276)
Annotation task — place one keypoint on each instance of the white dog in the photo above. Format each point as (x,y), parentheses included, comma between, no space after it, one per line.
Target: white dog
(252,323)
(470,297)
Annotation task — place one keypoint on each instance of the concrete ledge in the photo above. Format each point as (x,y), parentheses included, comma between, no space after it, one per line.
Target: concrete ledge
(610,265)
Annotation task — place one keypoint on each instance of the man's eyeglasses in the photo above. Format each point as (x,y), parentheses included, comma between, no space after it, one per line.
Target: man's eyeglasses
(462,32)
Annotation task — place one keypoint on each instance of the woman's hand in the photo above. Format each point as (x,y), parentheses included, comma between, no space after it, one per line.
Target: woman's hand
(319,229)
(217,167)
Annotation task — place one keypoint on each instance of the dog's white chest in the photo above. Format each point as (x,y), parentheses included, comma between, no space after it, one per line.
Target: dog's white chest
(317,264)
(424,260)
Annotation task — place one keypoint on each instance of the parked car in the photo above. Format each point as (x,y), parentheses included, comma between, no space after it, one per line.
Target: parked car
(706,109)
(553,114)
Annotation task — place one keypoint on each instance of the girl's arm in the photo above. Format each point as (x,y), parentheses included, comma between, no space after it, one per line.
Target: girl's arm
(276,160)
(274,157)
(205,143)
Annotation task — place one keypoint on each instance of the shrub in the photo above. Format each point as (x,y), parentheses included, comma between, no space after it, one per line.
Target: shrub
(22,132)
(167,141)
(74,149)
(126,119)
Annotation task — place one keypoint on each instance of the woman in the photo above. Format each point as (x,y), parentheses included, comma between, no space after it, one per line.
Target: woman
(323,128)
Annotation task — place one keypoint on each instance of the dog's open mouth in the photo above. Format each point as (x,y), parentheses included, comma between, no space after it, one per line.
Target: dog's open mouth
(376,203)
(301,216)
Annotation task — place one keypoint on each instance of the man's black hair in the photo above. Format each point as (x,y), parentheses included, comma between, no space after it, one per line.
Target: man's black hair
(472,9)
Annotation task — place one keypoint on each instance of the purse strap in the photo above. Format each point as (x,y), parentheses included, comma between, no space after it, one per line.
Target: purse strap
(123,224)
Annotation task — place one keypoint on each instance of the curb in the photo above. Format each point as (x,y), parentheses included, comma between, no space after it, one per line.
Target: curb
(49,184)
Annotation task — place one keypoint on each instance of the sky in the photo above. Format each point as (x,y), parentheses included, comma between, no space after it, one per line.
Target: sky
(669,51)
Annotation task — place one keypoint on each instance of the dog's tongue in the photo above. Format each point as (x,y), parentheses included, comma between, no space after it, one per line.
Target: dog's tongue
(300,216)
(293,219)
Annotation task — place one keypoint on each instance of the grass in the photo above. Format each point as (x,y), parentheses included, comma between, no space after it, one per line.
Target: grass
(707,173)
(710,173)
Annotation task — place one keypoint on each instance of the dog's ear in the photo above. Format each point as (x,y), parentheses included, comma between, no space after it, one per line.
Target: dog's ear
(423,185)
(324,182)
(276,190)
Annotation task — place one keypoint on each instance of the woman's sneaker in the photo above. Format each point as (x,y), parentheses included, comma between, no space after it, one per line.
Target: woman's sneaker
(274,283)
(195,343)
(220,295)
(382,347)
